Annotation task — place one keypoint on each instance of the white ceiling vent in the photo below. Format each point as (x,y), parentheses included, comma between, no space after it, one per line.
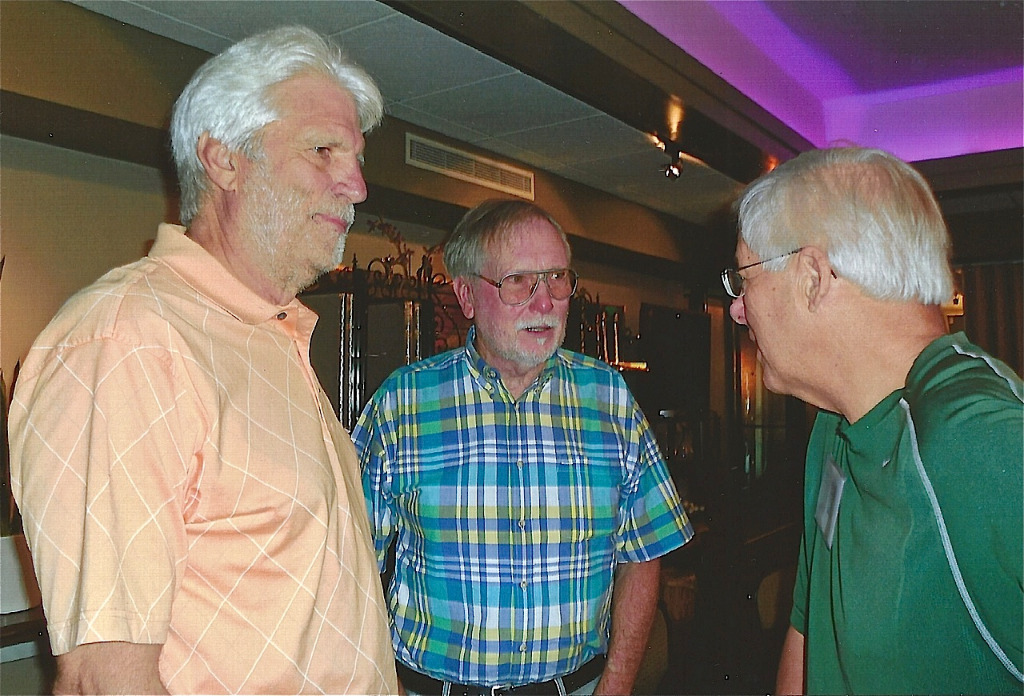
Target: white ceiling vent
(435,157)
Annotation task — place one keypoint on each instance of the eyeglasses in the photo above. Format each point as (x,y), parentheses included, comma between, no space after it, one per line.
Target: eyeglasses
(517,288)
(733,281)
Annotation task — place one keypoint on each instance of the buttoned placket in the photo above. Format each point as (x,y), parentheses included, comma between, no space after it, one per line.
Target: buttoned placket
(512,408)
(289,322)
(523,473)
(518,518)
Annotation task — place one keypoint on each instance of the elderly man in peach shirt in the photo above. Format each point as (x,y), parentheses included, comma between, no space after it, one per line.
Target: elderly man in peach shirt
(192,503)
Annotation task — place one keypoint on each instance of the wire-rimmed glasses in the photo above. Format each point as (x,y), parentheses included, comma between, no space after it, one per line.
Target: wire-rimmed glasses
(733,281)
(517,288)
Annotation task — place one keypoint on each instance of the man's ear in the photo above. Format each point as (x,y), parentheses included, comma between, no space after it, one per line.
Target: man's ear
(220,163)
(464,294)
(816,278)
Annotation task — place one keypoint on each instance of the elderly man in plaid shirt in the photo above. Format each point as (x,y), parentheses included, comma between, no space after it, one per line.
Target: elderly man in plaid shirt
(520,483)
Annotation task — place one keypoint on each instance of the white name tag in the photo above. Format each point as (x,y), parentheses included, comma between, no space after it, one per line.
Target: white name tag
(829,495)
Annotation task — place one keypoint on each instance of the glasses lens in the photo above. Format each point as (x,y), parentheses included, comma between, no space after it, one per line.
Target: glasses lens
(517,288)
(733,282)
(562,283)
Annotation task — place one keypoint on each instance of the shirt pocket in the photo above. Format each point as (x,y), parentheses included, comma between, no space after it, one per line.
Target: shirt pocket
(571,497)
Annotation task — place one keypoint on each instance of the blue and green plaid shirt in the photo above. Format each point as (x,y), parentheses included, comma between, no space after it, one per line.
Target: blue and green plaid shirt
(510,515)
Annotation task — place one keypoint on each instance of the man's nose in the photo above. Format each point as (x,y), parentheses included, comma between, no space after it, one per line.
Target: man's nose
(738,311)
(349,182)
(542,300)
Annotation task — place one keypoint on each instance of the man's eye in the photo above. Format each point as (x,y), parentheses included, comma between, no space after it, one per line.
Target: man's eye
(515,279)
(322,150)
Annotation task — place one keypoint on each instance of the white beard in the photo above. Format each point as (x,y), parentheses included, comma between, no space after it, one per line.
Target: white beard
(273,219)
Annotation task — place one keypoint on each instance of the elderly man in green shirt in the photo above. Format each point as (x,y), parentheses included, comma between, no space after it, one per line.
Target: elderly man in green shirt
(910,570)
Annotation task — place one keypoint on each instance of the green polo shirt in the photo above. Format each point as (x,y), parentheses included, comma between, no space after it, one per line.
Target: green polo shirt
(919,588)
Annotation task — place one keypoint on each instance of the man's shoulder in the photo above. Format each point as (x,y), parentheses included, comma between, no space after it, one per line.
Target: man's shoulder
(440,367)
(967,410)
(582,367)
(101,310)
(954,379)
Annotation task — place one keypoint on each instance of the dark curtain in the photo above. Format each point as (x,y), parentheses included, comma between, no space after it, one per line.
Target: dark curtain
(994,310)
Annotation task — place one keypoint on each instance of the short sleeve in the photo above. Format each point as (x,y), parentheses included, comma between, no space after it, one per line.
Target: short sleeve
(102,438)
(653,520)
(373,463)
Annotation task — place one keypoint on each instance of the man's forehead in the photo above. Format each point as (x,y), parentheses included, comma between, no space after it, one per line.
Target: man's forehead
(527,235)
(516,247)
(315,96)
(743,252)
(502,251)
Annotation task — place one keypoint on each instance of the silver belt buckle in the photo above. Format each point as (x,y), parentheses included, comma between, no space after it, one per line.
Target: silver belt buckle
(498,688)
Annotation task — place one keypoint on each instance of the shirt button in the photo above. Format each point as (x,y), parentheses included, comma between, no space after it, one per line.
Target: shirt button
(522,647)
(520,463)
(522,524)
(523,584)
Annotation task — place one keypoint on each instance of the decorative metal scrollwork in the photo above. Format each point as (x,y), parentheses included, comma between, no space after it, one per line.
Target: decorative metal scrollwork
(392,277)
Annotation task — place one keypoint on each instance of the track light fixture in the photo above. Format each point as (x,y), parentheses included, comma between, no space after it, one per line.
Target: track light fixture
(674,169)
(677,158)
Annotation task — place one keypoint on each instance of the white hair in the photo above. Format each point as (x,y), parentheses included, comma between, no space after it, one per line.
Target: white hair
(873,214)
(229,97)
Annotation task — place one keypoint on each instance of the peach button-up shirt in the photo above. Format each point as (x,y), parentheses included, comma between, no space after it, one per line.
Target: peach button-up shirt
(185,481)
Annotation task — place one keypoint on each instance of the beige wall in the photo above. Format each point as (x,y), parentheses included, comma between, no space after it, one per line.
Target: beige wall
(59,52)
(65,219)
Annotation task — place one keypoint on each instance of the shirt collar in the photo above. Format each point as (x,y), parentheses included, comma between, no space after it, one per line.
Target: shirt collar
(206,275)
(481,370)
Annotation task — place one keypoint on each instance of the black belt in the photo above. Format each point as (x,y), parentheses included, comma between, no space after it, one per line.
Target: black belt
(428,686)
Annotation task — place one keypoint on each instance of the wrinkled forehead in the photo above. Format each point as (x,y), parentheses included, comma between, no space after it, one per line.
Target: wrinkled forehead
(532,244)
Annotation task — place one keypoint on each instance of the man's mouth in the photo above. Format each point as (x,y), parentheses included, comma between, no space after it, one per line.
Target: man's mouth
(342,223)
(537,328)
(341,219)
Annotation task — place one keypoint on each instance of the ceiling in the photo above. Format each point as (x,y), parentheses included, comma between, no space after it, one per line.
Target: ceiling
(575,88)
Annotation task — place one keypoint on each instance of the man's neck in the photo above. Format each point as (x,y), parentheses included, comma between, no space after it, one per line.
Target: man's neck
(517,385)
(210,232)
(516,377)
(879,352)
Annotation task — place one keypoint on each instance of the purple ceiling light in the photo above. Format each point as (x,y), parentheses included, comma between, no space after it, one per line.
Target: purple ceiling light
(798,69)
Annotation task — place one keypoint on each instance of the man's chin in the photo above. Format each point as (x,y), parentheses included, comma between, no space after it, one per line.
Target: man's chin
(336,260)
(339,252)
(317,275)
(313,273)
(771,380)
(536,358)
